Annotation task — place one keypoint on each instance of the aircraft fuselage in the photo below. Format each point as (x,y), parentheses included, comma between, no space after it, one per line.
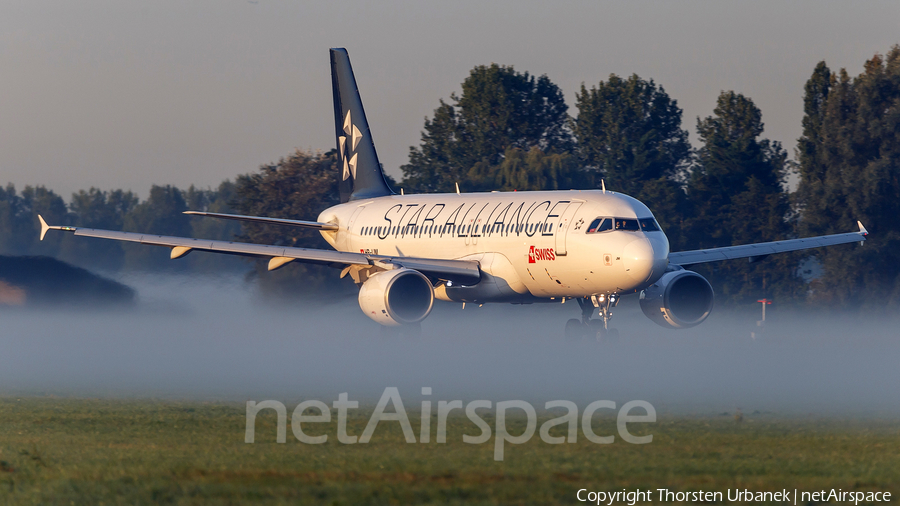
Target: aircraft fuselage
(530,245)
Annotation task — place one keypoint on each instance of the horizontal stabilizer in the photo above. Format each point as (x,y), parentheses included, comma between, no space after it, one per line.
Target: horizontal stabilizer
(269,221)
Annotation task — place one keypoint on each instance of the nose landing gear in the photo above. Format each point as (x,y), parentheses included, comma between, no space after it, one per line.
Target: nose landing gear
(588,327)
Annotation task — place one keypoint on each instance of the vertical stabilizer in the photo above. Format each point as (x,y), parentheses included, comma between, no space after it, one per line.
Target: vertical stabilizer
(361,175)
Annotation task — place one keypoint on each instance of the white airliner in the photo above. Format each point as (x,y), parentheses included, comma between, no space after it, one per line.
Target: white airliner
(404,251)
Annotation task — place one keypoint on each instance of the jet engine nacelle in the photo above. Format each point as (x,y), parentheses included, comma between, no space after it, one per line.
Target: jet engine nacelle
(678,300)
(396,297)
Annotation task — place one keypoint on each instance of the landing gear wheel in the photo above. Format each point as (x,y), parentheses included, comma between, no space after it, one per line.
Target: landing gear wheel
(595,329)
(574,330)
(598,328)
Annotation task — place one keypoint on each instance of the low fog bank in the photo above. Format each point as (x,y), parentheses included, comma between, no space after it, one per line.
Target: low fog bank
(218,339)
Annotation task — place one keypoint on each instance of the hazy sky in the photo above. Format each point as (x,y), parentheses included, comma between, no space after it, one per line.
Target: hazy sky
(124,94)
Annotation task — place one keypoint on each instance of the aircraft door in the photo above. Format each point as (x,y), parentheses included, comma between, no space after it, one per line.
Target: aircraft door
(353,218)
(565,223)
(344,238)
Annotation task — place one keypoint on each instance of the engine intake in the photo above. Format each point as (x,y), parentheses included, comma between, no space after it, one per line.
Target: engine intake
(396,297)
(678,300)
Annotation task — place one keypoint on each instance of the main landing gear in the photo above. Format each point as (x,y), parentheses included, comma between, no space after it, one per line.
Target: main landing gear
(588,327)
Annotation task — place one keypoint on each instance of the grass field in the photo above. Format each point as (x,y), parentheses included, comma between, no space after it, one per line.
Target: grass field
(87,451)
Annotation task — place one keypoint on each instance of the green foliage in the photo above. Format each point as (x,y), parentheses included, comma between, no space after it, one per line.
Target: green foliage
(528,170)
(214,201)
(629,133)
(161,214)
(297,187)
(103,210)
(737,195)
(850,170)
(89,451)
(499,109)
(10,221)
(121,210)
(19,225)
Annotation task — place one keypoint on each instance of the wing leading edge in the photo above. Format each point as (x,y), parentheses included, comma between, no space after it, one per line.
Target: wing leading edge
(760,250)
(269,221)
(460,271)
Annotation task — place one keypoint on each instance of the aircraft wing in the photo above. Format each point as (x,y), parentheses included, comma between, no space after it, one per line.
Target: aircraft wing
(760,250)
(461,271)
(465,272)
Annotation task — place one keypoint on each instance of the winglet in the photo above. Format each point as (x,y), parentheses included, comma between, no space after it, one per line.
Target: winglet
(44,227)
(862,229)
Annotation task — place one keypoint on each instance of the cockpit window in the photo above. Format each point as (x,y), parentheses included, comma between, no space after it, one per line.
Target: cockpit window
(649,225)
(627,224)
(600,225)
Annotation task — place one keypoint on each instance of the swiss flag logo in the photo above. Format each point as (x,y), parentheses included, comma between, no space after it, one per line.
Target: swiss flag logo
(540,254)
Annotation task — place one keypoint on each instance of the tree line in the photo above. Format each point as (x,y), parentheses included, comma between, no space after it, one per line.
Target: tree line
(509,130)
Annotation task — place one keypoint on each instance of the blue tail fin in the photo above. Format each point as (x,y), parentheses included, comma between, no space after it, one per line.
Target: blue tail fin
(361,177)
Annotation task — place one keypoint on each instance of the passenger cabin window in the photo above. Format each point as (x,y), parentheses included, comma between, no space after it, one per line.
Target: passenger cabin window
(649,225)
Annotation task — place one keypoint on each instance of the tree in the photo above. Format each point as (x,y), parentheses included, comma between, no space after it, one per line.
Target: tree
(13,228)
(629,133)
(850,170)
(98,209)
(38,200)
(297,187)
(102,209)
(499,109)
(737,194)
(528,170)
(810,198)
(162,214)
(19,226)
(215,201)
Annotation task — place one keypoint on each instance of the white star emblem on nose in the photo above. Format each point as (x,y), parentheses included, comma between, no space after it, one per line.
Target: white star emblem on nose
(355,135)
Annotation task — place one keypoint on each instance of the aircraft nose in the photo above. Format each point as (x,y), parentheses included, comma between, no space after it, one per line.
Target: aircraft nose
(641,262)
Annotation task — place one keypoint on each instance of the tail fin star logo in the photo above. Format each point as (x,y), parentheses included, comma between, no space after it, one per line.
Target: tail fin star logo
(348,149)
